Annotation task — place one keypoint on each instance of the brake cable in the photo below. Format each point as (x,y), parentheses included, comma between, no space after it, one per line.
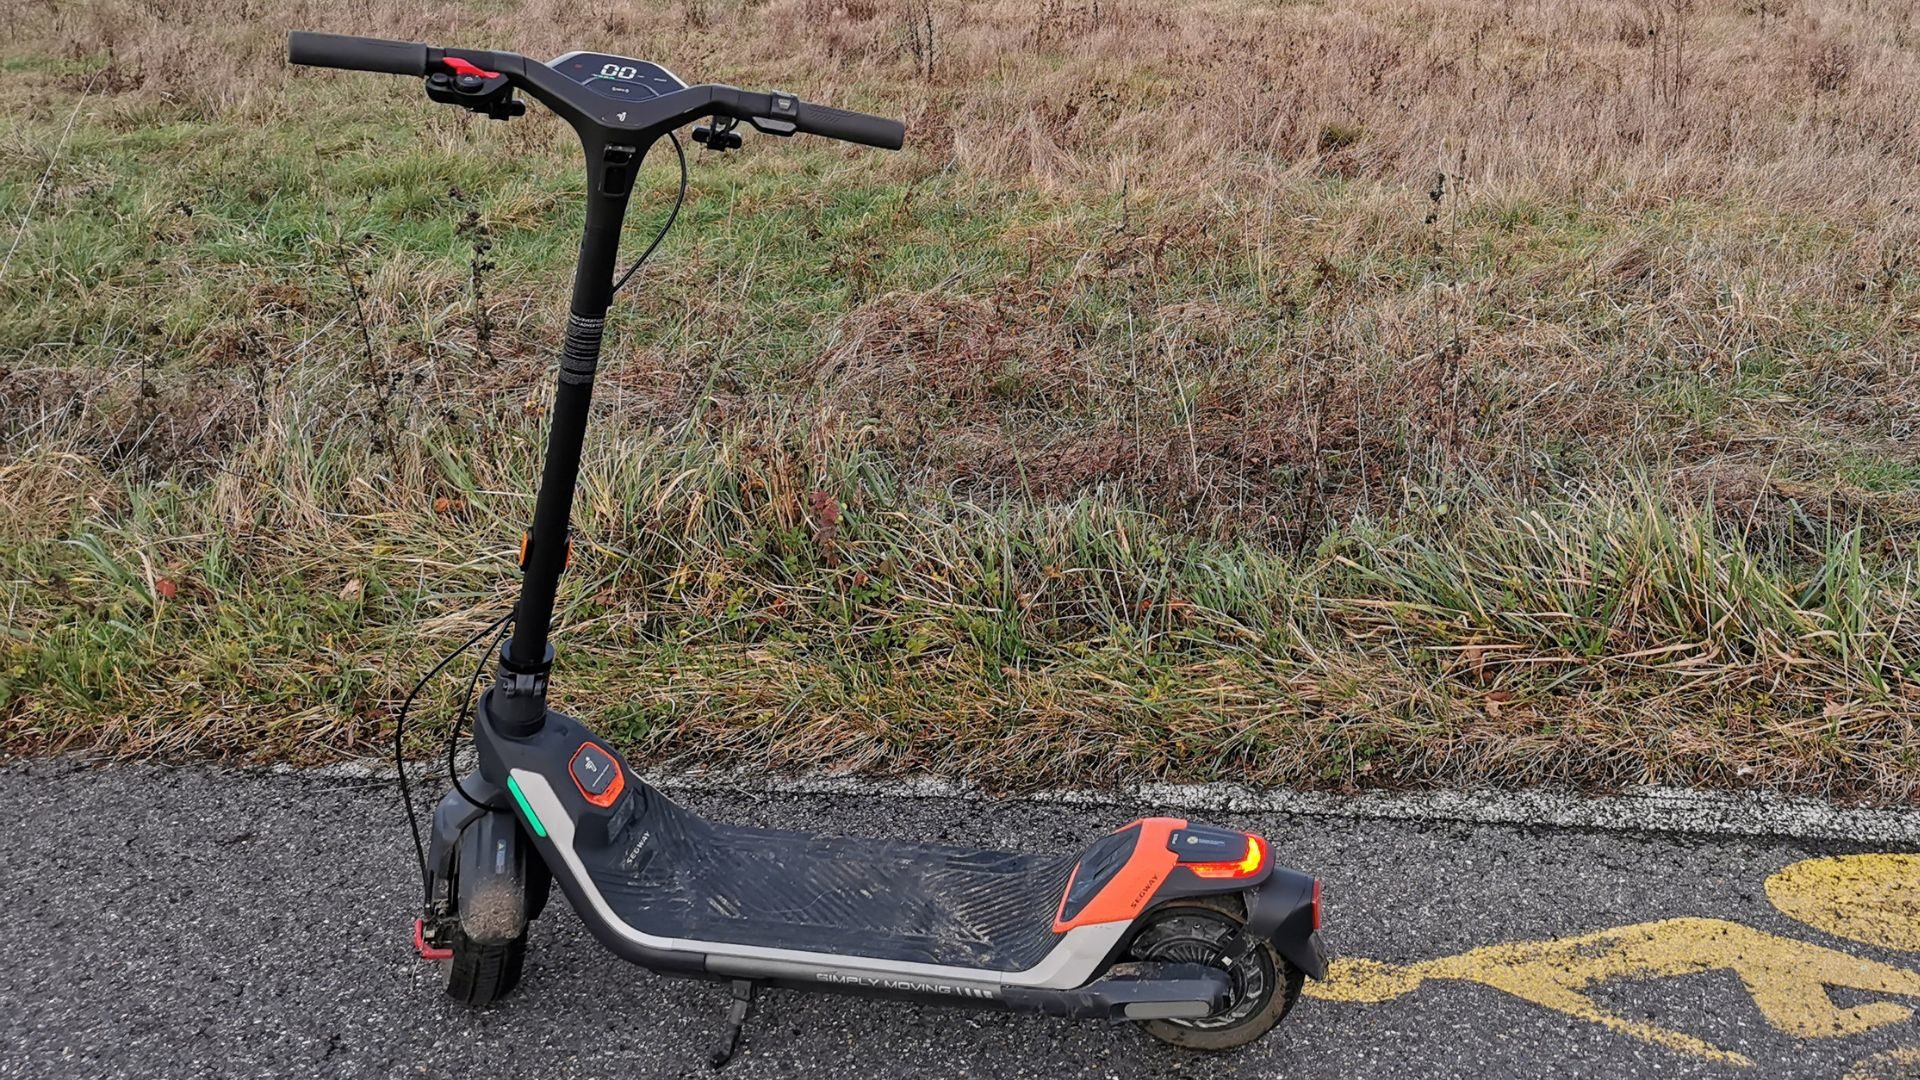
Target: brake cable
(399,741)
(466,710)
(672,215)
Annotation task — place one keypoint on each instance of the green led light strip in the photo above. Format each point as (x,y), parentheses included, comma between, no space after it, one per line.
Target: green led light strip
(526,810)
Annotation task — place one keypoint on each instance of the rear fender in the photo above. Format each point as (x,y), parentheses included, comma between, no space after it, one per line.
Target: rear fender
(1283,909)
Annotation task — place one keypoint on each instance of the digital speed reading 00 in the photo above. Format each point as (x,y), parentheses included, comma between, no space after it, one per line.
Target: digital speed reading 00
(618,77)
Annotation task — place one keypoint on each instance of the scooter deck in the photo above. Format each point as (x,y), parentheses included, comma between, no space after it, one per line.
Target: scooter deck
(672,890)
(673,873)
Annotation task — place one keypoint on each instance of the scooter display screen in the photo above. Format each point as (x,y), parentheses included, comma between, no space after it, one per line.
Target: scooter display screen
(619,78)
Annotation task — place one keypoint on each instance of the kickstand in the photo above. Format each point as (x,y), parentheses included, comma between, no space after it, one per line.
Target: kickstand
(743,993)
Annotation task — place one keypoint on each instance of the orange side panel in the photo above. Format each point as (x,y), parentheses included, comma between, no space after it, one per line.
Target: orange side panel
(1127,894)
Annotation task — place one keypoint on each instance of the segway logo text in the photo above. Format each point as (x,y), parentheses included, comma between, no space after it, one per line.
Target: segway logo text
(631,860)
(1146,891)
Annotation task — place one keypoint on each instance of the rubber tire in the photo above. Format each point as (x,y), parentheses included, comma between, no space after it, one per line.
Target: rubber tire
(482,973)
(1287,983)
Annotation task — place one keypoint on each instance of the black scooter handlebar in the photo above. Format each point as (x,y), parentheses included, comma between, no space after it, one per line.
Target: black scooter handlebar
(784,114)
(853,127)
(780,114)
(356,53)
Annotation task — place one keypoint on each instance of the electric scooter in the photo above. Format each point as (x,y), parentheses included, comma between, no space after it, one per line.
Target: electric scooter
(1190,929)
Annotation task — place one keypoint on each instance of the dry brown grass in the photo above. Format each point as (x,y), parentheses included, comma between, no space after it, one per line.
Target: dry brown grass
(1617,102)
(1514,392)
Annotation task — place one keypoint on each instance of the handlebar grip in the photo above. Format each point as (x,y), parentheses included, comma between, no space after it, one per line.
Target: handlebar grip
(356,53)
(851,127)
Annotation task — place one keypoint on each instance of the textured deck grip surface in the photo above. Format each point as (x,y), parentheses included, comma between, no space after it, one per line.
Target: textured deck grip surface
(676,874)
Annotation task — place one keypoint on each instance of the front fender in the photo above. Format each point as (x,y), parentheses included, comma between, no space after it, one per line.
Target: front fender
(1285,910)
(482,868)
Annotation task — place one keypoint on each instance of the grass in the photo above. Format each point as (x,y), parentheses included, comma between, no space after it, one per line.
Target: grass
(1343,395)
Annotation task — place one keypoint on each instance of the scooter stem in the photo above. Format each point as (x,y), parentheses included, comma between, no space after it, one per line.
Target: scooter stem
(521,686)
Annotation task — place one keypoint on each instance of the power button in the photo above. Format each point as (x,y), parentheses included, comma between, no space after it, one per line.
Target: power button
(597,774)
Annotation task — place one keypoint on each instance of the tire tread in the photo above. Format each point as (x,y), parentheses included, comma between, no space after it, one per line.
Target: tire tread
(482,973)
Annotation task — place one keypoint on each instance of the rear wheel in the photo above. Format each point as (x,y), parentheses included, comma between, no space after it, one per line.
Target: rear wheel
(1206,930)
(482,973)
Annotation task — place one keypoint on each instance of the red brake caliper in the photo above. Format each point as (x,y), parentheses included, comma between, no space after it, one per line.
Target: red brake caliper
(427,952)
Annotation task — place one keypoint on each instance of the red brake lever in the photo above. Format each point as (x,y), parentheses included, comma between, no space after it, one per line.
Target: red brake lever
(462,67)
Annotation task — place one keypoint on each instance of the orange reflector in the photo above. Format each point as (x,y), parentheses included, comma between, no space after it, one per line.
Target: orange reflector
(526,541)
(1255,861)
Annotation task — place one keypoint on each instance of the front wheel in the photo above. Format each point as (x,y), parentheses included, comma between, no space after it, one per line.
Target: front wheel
(482,973)
(1206,930)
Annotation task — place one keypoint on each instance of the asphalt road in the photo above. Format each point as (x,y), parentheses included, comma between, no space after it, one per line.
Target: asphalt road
(193,923)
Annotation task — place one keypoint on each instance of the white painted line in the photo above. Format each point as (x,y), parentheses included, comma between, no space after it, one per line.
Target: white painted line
(1643,809)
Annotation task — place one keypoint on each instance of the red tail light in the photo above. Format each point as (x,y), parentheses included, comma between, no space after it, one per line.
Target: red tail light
(1254,862)
(1316,903)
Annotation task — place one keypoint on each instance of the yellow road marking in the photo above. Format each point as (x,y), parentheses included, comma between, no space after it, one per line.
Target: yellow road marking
(1788,979)
(1873,899)
(1900,1064)
(1869,898)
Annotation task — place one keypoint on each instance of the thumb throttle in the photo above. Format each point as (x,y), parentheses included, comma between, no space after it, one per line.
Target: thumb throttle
(787,115)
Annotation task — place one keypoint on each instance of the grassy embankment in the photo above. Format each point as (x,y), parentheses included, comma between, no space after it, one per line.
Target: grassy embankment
(1368,392)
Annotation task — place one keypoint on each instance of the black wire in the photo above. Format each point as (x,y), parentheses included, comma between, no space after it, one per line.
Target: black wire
(672,215)
(466,710)
(399,743)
